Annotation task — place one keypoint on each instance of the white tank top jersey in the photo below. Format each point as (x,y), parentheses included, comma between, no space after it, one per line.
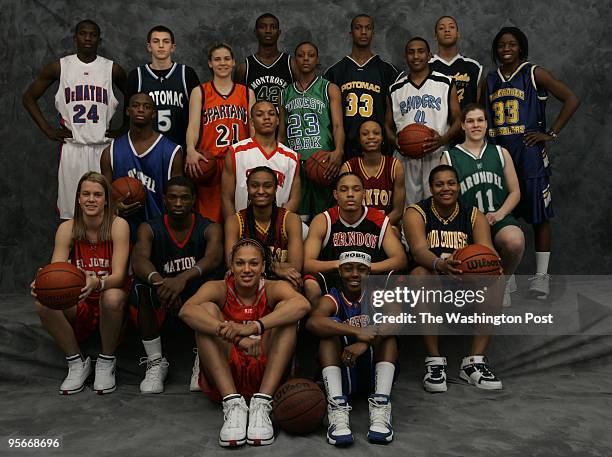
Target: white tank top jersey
(85,98)
(248,154)
(427,104)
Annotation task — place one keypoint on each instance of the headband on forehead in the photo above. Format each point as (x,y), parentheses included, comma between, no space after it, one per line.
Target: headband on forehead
(355,257)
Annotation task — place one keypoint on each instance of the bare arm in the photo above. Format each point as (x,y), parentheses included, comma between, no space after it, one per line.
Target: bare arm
(105,164)
(390,128)
(63,242)
(293,204)
(282,124)
(396,256)
(289,305)
(295,248)
(232,235)
(455,117)
(321,325)
(141,255)
(335,108)
(193,312)
(482,232)
(312,248)
(228,186)
(399,195)
(120,233)
(177,164)
(193,131)
(512,186)
(251,103)
(240,75)
(120,81)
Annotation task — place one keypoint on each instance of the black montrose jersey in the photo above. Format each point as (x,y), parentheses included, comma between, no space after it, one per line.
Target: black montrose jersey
(268,81)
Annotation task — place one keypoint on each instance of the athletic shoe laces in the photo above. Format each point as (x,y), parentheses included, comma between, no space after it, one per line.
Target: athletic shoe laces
(339,414)
(484,370)
(436,371)
(380,413)
(231,411)
(75,370)
(260,411)
(540,277)
(153,367)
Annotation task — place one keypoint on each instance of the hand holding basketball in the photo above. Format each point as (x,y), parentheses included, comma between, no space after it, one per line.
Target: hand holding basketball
(192,161)
(92,282)
(448,266)
(433,142)
(333,167)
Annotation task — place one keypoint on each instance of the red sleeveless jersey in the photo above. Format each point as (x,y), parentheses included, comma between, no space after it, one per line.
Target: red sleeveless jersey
(280,243)
(236,311)
(93,257)
(378,187)
(224,118)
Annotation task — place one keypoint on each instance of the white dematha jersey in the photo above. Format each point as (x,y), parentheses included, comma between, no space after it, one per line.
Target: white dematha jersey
(85,98)
(427,104)
(248,154)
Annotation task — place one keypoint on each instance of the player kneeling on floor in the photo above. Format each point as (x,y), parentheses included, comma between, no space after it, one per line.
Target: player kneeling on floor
(245,359)
(349,354)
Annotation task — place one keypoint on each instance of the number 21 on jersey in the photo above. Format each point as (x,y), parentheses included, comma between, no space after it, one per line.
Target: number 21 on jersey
(227,135)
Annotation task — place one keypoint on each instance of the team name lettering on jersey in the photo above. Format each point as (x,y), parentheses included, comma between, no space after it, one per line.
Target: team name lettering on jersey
(93,262)
(85,92)
(307,142)
(362,320)
(215,113)
(482,177)
(355,239)
(420,101)
(167,97)
(181,264)
(507,92)
(269,79)
(146,181)
(280,176)
(447,239)
(306,103)
(375,197)
(360,85)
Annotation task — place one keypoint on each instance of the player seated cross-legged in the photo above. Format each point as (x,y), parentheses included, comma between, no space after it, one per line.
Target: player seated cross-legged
(173,256)
(349,354)
(435,228)
(97,242)
(246,326)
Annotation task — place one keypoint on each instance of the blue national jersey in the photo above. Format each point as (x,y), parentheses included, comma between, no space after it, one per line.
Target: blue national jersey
(153,168)
(347,312)
(515,107)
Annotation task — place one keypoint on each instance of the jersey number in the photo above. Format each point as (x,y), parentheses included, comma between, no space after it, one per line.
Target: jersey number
(364,104)
(225,137)
(294,125)
(506,113)
(79,112)
(164,122)
(270,93)
(489,195)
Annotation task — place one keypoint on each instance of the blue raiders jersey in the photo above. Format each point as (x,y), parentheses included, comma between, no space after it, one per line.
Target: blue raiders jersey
(515,106)
(351,313)
(153,168)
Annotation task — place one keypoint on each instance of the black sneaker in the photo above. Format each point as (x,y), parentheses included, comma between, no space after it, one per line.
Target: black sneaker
(475,370)
(435,374)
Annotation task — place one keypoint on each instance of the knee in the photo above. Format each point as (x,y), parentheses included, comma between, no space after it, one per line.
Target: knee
(113,301)
(420,271)
(514,244)
(42,311)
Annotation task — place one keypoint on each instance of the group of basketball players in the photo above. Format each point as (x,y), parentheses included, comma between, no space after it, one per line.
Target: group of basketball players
(286,247)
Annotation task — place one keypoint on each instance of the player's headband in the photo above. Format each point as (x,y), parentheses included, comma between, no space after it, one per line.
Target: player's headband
(355,257)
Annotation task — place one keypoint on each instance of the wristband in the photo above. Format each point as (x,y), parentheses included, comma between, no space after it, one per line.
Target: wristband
(553,134)
(435,262)
(149,277)
(197,267)
(261,327)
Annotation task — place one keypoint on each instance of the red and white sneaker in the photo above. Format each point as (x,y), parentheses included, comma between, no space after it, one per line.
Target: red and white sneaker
(78,372)
(235,415)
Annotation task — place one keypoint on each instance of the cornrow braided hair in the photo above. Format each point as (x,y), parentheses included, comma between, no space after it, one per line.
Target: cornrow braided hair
(250,242)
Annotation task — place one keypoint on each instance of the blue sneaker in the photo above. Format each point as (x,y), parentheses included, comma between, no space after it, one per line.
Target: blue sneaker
(339,430)
(381,431)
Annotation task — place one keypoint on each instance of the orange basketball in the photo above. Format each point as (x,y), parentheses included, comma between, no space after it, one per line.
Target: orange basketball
(299,406)
(58,285)
(126,184)
(411,139)
(316,166)
(477,259)
(208,172)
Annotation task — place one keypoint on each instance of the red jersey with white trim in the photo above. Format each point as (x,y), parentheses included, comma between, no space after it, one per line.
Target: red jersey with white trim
(236,311)
(248,154)
(378,187)
(224,118)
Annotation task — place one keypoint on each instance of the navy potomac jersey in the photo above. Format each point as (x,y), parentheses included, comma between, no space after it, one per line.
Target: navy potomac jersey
(268,81)
(515,106)
(364,90)
(465,73)
(153,169)
(171,96)
(171,257)
(446,236)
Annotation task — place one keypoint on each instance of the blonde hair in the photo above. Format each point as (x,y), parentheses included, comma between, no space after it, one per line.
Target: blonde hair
(78,225)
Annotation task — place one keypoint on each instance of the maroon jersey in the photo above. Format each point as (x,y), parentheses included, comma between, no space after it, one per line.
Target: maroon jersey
(93,257)
(378,187)
(275,237)
(236,311)
(365,235)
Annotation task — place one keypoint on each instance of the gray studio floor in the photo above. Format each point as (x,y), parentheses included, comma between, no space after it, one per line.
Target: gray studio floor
(557,401)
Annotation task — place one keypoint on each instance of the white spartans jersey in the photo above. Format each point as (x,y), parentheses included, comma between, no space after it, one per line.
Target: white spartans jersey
(425,104)
(248,154)
(85,98)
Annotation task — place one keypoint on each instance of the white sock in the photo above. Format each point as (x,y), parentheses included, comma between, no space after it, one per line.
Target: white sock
(332,377)
(542,259)
(153,348)
(384,378)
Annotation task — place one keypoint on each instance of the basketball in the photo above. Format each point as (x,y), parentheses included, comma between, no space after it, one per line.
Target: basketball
(477,259)
(208,172)
(121,187)
(411,139)
(316,166)
(299,406)
(58,285)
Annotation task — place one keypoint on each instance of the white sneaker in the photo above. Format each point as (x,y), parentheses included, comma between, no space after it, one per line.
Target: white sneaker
(339,430)
(540,286)
(78,372)
(260,431)
(104,382)
(194,386)
(507,299)
(435,374)
(157,370)
(511,284)
(235,416)
(475,370)
(380,430)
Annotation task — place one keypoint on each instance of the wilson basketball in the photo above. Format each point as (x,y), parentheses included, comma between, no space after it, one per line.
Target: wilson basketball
(208,173)
(126,184)
(411,139)
(299,406)
(477,259)
(316,166)
(58,285)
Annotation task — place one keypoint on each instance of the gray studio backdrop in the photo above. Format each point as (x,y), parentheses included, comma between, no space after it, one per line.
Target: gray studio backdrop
(567,37)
